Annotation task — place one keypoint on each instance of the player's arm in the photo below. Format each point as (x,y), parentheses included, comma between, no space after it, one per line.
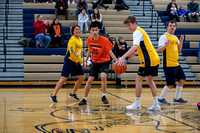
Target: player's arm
(128,53)
(180,46)
(163,43)
(112,55)
(87,56)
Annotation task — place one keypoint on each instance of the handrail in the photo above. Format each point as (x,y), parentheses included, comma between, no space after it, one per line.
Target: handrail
(151,16)
(157,25)
(143,8)
(4,48)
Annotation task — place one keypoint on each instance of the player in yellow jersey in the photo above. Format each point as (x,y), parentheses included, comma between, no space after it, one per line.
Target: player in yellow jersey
(72,64)
(149,62)
(170,46)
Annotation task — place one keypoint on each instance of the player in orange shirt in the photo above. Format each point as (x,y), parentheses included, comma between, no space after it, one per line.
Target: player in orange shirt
(101,50)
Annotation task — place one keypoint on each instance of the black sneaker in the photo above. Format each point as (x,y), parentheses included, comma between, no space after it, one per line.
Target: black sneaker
(163,101)
(53,98)
(180,100)
(198,105)
(83,102)
(104,100)
(73,96)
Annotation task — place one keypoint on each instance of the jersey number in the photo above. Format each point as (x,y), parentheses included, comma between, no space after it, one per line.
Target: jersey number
(95,52)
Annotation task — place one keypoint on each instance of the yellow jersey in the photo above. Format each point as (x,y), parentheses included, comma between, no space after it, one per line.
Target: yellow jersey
(170,54)
(146,51)
(74,49)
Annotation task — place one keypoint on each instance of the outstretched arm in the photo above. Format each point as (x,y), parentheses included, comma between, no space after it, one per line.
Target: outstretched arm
(112,55)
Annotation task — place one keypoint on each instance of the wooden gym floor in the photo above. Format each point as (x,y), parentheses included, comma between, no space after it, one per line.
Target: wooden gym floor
(30,111)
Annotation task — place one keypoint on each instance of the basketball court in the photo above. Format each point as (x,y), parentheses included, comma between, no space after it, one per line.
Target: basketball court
(31,111)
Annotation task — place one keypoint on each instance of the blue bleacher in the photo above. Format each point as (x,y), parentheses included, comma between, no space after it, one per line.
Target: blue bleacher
(45,51)
(190,31)
(190,52)
(38,11)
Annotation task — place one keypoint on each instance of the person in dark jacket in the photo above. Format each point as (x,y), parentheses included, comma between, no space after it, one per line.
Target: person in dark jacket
(193,10)
(169,7)
(56,33)
(61,8)
(101,3)
(80,5)
(121,5)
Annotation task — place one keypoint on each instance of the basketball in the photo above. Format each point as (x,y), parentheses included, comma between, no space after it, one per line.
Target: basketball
(119,69)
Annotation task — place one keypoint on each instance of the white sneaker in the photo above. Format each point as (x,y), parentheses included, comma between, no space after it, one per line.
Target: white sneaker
(73,2)
(155,107)
(133,106)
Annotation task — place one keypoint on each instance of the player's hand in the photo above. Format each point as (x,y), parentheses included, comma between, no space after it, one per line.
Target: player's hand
(181,38)
(167,43)
(121,61)
(85,65)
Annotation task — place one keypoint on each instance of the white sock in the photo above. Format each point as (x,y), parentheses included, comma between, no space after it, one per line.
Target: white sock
(137,100)
(178,92)
(164,92)
(155,100)
(85,98)
(103,94)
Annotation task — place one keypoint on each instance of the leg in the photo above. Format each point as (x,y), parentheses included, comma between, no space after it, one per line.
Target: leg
(78,83)
(56,12)
(59,85)
(103,82)
(66,14)
(88,85)
(81,26)
(139,80)
(197,17)
(152,85)
(48,40)
(86,27)
(39,37)
(190,17)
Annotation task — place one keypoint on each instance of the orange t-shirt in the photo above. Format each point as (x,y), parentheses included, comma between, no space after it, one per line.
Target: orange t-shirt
(100,49)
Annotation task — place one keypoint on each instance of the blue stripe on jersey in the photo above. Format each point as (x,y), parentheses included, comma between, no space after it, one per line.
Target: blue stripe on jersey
(145,53)
(164,58)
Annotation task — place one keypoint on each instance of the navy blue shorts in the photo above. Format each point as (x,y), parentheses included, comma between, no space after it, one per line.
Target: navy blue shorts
(97,68)
(173,73)
(70,67)
(148,71)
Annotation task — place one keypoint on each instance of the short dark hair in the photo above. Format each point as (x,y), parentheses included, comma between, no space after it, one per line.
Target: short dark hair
(93,25)
(73,27)
(38,16)
(130,19)
(172,21)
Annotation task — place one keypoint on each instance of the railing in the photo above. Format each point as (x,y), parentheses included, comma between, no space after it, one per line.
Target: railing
(5,33)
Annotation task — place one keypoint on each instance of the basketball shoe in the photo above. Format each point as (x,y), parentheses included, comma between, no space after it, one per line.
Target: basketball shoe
(53,98)
(83,102)
(73,96)
(133,106)
(154,107)
(180,101)
(163,101)
(104,100)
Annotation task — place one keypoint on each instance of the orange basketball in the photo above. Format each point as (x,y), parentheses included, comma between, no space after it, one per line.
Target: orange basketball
(119,69)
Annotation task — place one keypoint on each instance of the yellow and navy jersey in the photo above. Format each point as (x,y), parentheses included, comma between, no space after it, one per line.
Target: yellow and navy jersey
(170,54)
(74,49)
(146,51)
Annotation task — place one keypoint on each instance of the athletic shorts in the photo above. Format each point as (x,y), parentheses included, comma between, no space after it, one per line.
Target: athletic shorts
(173,73)
(148,71)
(70,67)
(97,68)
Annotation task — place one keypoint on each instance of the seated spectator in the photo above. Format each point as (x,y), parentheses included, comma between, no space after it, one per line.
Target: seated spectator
(193,10)
(61,8)
(169,6)
(120,48)
(182,13)
(96,17)
(109,38)
(56,33)
(99,2)
(82,4)
(39,29)
(174,13)
(121,5)
(83,19)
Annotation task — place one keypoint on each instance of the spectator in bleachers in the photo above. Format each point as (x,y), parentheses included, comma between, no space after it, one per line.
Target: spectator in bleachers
(174,13)
(56,33)
(101,3)
(83,19)
(61,8)
(169,7)
(39,29)
(96,17)
(121,5)
(182,13)
(193,10)
(80,5)
(109,38)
